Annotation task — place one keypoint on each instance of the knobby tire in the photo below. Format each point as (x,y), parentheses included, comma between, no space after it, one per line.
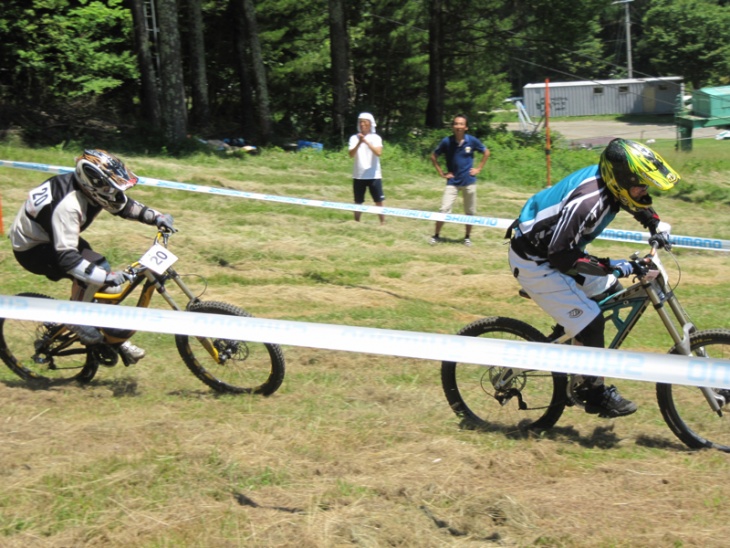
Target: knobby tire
(471,395)
(685,408)
(253,368)
(58,362)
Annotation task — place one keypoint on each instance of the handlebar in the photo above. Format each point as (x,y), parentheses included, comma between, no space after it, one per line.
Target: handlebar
(163,234)
(644,263)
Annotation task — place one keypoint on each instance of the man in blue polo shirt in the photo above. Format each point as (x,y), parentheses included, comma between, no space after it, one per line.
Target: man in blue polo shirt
(461,174)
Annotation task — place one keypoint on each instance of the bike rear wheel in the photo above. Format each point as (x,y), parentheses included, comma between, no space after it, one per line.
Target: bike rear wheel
(533,399)
(239,367)
(44,352)
(685,408)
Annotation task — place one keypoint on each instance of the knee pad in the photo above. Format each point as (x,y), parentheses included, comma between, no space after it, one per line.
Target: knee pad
(84,292)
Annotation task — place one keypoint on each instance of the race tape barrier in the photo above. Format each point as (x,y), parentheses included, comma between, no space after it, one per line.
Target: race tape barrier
(692,242)
(640,366)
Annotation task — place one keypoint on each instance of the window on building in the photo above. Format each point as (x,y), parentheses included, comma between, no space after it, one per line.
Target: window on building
(597,91)
(623,89)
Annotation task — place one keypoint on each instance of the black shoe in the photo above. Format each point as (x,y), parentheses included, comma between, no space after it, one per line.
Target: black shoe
(605,401)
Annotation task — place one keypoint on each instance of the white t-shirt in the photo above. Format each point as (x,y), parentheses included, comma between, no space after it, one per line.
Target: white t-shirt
(367,164)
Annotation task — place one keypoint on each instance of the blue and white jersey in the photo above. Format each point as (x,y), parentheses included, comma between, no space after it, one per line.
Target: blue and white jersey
(560,221)
(460,158)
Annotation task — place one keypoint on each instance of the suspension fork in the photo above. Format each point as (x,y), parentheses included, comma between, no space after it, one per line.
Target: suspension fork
(681,340)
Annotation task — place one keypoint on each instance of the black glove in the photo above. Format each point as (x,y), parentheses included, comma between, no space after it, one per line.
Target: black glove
(165,221)
(662,240)
(115,278)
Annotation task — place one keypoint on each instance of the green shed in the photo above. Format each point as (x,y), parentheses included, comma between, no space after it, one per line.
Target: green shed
(711,102)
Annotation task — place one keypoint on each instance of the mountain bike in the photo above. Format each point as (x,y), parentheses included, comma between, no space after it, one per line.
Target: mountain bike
(520,398)
(50,353)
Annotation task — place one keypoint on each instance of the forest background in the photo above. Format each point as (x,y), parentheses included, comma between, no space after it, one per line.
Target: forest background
(119,74)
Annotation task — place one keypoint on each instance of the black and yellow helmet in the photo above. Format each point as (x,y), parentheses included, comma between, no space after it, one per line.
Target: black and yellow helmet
(625,164)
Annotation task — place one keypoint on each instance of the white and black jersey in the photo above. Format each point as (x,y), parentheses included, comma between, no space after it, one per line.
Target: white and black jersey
(55,214)
(557,223)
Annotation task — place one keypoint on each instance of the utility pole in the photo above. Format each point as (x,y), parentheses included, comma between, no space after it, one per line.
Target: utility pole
(628,35)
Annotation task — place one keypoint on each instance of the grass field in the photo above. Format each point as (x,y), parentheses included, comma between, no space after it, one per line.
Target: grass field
(354,449)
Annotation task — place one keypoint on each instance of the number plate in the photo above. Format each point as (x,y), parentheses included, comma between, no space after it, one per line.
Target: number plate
(158,259)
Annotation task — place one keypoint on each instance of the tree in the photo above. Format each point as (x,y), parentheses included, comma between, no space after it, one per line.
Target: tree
(57,56)
(253,58)
(174,110)
(200,112)
(340,54)
(689,38)
(436,85)
(150,93)
(246,113)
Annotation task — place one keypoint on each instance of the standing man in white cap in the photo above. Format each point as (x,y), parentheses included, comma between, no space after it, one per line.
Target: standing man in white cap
(365,147)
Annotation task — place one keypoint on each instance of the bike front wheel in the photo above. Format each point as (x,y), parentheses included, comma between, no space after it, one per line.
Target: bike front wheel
(44,352)
(232,366)
(685,408)
(532,399)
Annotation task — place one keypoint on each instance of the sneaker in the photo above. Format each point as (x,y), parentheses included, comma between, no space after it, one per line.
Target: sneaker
(87,334)
(435,239)
(605,401)
(131,353)
(467,242)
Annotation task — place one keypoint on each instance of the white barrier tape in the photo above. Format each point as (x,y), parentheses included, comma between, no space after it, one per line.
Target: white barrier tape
(691,242)
(638,366)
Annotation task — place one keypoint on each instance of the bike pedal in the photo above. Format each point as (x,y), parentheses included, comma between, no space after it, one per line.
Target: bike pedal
(105,355)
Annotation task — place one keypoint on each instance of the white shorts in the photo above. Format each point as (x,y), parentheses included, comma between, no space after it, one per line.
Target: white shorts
(568,302)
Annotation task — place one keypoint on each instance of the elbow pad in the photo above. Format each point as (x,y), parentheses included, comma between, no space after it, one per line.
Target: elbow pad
(88,273)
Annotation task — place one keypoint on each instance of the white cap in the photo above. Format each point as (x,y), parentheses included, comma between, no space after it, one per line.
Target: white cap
(366,116)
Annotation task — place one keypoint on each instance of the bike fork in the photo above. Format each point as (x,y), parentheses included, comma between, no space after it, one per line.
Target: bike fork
(715,400)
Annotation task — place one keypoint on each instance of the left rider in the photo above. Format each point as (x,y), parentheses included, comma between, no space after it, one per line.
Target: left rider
(46,233)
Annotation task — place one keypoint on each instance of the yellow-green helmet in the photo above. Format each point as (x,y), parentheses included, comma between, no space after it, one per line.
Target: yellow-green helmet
(625,164)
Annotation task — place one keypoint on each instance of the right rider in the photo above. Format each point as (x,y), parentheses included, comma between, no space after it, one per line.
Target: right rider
(547,249)
(46,233)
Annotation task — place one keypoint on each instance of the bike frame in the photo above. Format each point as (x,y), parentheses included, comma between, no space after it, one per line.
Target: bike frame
(153,282)
(653,288)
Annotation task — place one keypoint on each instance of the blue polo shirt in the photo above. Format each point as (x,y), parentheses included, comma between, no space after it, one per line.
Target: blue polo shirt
(460,158)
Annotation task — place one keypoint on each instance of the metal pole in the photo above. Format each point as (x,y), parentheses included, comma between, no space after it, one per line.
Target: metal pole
(628,41)
(547,130)
(628,36)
